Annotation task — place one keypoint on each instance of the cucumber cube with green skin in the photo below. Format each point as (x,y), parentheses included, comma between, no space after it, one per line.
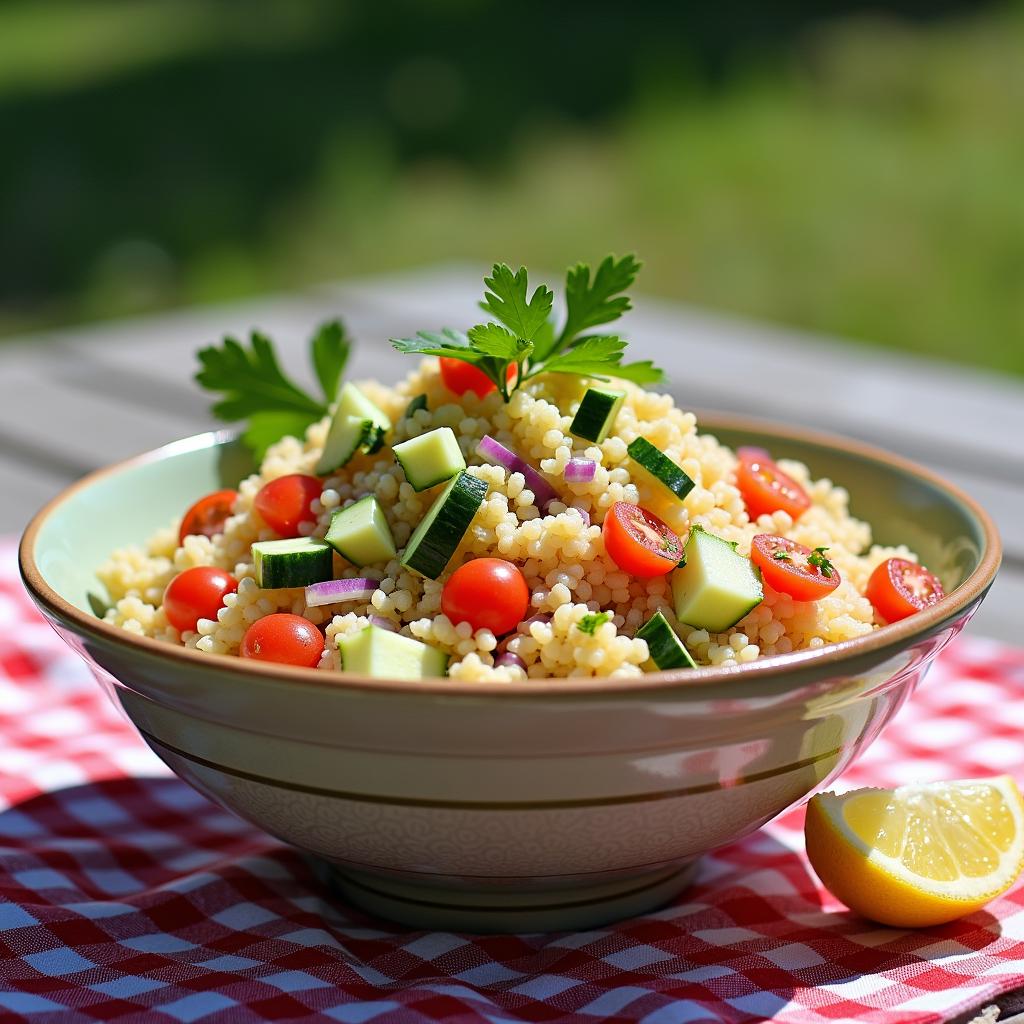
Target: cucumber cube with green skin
(382,654)
(431,458)
(661,469)
(414,406)
(441,530)
(293,562)
(717,586)
(357,424)
(666,649)
(360,533)
(596,414)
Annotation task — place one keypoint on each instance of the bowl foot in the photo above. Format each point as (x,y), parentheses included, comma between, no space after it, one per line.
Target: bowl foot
(501,910)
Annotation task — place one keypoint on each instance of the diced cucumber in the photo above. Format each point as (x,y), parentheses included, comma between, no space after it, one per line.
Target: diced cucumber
(430,458)
(385,655)
(434,541)
(717,586)
(345,437)
(357,423)
(596,415)
(660,468)
(361,534)
(417,403)
(296,562)
(667,650)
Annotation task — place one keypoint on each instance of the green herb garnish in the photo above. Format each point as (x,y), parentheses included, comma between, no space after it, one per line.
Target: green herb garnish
(590,622)
(817,558)
(782,556)
(254,387)
(525,336)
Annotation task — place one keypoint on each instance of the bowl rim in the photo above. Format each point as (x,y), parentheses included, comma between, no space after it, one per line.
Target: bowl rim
(897,634)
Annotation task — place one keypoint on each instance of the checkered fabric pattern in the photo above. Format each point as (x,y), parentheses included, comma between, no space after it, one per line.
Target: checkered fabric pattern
(126,896)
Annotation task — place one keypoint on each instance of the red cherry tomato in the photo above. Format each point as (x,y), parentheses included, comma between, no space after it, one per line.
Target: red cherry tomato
(793,569)
(284,502)
(765,488)
(898,588)
(638,542)
(461,377)
(207,515)
(488,593)
(196,594)
(285,639)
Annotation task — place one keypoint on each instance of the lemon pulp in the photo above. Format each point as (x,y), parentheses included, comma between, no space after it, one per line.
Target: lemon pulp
(918,854)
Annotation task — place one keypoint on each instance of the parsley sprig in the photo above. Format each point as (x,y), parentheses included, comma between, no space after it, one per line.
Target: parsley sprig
(522,332)
(254,387)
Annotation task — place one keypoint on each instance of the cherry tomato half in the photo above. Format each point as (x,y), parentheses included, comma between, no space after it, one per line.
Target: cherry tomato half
(284,502)
(207,515)
(461,377)
(488,593)
(196,594)
(765,488)
(793,569)
(285,639)
(638,542)
(898,588)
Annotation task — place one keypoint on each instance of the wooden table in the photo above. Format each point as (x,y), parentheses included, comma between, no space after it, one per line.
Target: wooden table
(74,400)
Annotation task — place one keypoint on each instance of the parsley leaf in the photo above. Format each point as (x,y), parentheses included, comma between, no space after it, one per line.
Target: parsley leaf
(254,387)
(446,343)
(251,380)
(266,428)
(589,304)
(782,556)
(329,350)
(598,356)
(590,622)
(506,299)
(497,341)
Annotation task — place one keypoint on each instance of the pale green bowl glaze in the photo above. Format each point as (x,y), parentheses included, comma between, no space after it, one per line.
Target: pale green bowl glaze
(548,804)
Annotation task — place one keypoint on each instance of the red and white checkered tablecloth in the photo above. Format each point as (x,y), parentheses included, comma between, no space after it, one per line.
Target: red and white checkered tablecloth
(125,895)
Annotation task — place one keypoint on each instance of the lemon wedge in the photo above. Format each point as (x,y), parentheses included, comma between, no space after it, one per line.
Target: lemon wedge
(920,854)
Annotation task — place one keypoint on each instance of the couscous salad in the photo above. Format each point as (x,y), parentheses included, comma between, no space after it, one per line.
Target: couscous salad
(519,506)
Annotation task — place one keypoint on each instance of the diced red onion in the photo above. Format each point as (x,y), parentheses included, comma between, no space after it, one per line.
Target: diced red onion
(508,658)
(539,617)
(580,471)
(335,591)
(496,452)
(584,514)
(379,620)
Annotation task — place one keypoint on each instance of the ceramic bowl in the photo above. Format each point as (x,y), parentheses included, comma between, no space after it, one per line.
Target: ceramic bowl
(534,806)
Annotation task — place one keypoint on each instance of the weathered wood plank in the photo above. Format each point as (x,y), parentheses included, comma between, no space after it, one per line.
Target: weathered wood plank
(70,430)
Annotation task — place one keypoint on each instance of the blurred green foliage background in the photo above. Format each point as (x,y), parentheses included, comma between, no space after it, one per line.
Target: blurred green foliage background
(851,173)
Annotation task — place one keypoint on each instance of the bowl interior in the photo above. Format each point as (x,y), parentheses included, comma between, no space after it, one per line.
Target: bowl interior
(126,504)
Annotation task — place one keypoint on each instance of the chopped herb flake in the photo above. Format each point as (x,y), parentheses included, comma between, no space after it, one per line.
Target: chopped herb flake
(589,623)
(782,556)
(818,560)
